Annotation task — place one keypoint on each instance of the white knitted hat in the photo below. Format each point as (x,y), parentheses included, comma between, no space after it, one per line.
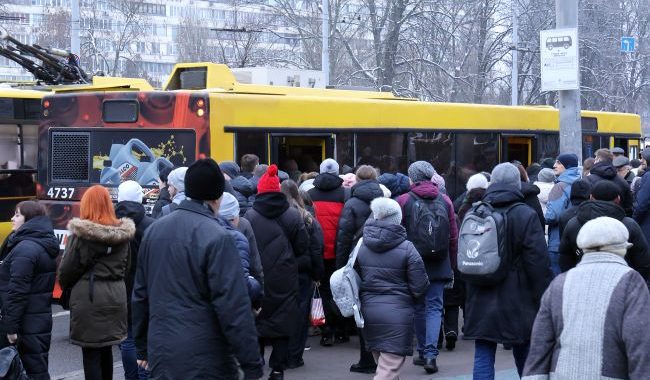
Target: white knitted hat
(604,234)
(129,191)
(477,181)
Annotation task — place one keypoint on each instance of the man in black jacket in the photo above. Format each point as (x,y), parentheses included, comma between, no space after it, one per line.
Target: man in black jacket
(605,201)
(504,313)
(197,322)
(129,198)
(604,170)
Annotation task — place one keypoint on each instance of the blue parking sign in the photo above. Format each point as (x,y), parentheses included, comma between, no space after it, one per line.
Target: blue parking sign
(628,44)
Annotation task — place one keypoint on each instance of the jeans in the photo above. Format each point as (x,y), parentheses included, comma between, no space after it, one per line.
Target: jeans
(98,363)
(129,361)
(555,263)
(428,316)
(484,352)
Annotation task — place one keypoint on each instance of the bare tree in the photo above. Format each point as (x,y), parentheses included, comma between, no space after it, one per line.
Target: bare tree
(110,33)
(54,31)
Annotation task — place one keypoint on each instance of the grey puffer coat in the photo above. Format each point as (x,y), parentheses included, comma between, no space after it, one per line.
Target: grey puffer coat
(393,277)
(94,265)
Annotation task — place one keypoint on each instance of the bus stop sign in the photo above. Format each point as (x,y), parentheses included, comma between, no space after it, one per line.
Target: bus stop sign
(560,62)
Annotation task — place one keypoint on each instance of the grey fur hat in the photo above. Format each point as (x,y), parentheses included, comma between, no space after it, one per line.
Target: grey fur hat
(546,175)
(387,210)
(229,207)
(506,174)
(604,234)
(421,171)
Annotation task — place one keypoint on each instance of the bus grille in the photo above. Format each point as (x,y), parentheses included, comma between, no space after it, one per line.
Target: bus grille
(70,157)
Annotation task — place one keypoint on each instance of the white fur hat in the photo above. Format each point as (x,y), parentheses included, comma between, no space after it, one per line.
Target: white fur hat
(387,193)
(386,209)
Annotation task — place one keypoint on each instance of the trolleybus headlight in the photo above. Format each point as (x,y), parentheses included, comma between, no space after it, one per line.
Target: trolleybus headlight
(200,112)
(200,103)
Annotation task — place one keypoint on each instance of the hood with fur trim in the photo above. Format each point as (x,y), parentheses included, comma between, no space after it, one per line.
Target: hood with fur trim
(110,235)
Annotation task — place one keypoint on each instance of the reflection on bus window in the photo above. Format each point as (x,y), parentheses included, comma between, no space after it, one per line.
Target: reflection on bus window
(548,146)
(475,153)
(386,151)
(433,147)
(251,143)
(345,150)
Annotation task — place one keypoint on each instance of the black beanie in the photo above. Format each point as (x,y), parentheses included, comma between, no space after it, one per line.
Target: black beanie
(580,190)
(204,180)
(605,191)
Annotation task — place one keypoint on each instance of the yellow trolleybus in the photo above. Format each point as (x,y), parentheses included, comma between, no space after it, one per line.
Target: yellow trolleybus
(107,137)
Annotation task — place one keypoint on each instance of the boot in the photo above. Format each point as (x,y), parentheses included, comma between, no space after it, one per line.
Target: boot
(276,375)
(430,366)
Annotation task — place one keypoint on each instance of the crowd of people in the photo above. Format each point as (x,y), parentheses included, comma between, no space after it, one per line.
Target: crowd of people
(230,258)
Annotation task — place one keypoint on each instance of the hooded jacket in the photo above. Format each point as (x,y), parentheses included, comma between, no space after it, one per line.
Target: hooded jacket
(393,277)
(201,312)
(281,239)
(605,171)
(136,212)
(531,193)
(505,313)
(94,266)
(257,272)
(558,202)
(438,270)
(27,274)
(638,255)
(328,196)
(354,215)
(244,192)
(642,204)
(397,183)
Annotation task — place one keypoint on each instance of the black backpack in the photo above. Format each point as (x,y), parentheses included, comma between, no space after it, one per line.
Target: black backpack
(427,226)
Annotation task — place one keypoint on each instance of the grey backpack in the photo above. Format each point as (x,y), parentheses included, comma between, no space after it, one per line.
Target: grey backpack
(483,254)
(345,284)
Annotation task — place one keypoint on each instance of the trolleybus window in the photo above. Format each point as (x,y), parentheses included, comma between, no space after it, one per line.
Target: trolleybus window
(386,151)
(345,150)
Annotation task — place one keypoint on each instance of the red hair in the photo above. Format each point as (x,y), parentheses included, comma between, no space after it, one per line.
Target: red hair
(97,207)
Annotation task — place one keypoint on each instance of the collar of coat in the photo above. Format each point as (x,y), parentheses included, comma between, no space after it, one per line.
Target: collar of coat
(110,235)
(600,258)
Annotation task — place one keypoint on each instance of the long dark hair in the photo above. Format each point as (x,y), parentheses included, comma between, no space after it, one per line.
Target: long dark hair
(290,189)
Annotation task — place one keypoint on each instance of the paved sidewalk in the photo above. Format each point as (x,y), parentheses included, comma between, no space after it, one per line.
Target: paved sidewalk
(327,363)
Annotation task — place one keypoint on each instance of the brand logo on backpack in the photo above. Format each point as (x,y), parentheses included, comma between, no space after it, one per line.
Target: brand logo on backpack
(473,247)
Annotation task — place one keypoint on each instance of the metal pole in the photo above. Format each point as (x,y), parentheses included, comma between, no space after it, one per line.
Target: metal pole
(566,16)
(325,51)
(514,82)
(75,46)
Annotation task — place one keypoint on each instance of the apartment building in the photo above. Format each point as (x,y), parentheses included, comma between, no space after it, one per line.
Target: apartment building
(146,37)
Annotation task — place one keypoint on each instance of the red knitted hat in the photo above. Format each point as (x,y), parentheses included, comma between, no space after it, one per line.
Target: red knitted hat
(269,181)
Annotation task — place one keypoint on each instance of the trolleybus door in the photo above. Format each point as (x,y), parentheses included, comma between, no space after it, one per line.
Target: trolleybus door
(303,152)
(517,148)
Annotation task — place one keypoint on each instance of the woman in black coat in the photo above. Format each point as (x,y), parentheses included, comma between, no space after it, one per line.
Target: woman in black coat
(27,275)
(393,277)
(282,240)
(310,269)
